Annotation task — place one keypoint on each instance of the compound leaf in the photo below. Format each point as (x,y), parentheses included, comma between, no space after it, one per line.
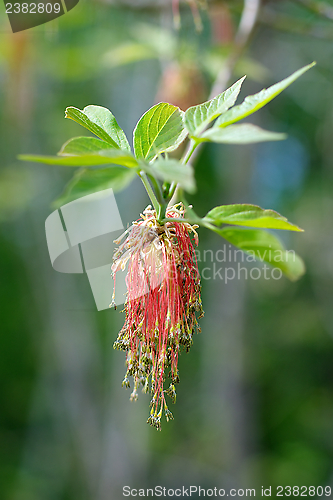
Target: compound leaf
(103,157)
(88,181)
(246,133)
(252,103)
(173,171)
(101,122)
(83,145)
(160,129)
(265,247)
(198,117)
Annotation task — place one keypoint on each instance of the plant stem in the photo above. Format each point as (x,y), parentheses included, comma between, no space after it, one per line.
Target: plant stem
(150,192)
(187,155)
(160,208)
(161,213)
(190,150)
(157,188)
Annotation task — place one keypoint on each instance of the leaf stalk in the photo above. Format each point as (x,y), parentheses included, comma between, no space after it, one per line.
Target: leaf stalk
(150,192)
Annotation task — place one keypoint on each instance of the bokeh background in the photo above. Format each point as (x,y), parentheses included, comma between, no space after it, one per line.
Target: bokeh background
(255,402)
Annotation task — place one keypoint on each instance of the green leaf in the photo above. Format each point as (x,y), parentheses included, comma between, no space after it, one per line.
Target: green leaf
(102,157)
(101,122)
(249,215)
(265,247)
(252,103)
(83,145)
(88,181)
(245,133)
(160,129)
(198,117)
(172,171)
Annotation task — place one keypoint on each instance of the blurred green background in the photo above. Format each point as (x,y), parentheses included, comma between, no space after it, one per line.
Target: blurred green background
(255,402)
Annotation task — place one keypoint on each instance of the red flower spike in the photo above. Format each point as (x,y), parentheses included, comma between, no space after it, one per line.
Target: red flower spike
(163,300)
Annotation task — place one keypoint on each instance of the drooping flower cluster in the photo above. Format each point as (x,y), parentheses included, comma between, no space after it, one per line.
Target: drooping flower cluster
(162,303)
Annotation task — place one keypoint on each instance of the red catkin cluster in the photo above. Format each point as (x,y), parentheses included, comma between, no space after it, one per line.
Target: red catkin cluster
(162,304)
